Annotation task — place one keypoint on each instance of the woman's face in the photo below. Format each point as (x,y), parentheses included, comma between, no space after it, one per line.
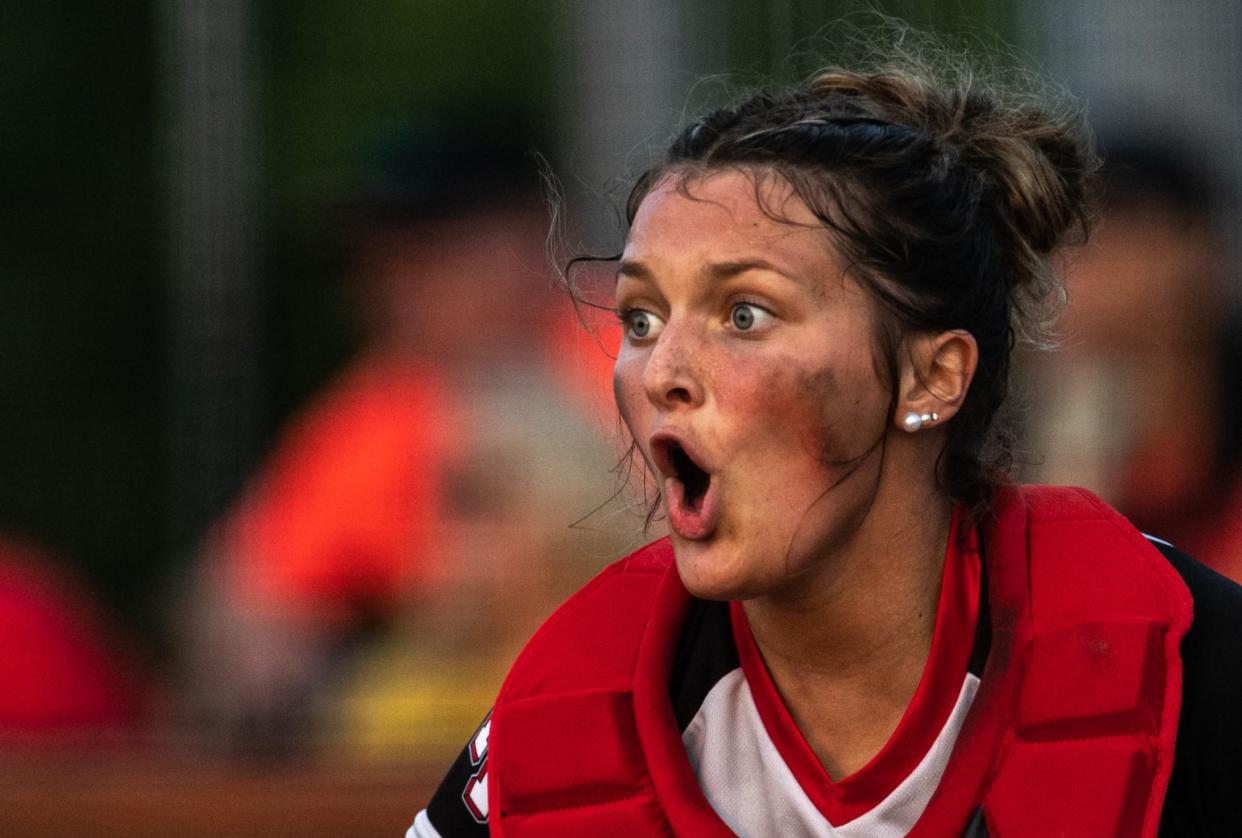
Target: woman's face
(749,380)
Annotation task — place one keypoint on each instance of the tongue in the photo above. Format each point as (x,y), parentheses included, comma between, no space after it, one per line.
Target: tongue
(691,515)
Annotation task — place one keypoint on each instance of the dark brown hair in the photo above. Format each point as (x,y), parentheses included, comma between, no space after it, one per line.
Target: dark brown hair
(945,197)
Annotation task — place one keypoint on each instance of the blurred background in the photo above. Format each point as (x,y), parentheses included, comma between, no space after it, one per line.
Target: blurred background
(300,441)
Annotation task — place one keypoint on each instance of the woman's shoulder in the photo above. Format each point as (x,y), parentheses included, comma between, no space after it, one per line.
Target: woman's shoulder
(632,580)
(595,634)
(1202,790)
(587,647)
(1210,650)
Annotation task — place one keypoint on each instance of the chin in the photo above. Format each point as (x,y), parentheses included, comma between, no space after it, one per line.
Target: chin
(711,570)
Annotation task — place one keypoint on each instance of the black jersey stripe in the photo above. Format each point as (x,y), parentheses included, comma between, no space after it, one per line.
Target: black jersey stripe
(446,810)
(705,654)
(983,625)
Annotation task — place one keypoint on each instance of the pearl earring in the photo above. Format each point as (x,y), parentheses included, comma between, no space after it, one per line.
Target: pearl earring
(913,421)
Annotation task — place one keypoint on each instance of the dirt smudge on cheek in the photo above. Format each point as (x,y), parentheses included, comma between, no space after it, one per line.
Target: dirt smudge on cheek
(786,399)
(837,424)
(828,415)
(819,393)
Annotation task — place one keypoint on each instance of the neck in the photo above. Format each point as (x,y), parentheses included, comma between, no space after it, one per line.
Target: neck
(883,588)
(846,651)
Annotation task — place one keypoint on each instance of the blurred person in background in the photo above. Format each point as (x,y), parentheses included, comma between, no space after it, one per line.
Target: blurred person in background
(427,486)
(1141,399)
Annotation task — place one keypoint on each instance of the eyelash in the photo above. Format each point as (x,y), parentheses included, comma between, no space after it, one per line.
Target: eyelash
(744,301)
(624,317)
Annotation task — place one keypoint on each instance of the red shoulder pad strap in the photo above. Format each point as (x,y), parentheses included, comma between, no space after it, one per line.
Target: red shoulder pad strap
(1074,725)
(1090,747)
(564,753)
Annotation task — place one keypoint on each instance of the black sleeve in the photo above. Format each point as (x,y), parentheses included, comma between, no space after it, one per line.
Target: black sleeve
(459,806)
(1206,786)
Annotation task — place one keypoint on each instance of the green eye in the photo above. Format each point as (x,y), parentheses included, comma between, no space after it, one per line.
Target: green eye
(746,316)
(641,324)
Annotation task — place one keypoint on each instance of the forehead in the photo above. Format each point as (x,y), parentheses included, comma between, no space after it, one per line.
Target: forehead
(725,215)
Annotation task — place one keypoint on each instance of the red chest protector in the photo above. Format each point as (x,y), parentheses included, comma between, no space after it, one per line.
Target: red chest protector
(1072,731)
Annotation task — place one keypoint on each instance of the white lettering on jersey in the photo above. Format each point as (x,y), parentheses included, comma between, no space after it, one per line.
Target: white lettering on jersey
(474,795)
(478,745)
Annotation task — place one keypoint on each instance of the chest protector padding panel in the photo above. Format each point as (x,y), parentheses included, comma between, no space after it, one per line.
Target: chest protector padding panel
(1091,744)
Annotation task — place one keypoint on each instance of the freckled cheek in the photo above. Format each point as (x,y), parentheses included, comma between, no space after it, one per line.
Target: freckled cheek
(746,388)
(627,388)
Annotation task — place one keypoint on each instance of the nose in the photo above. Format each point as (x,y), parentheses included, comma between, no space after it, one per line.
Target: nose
(671,376)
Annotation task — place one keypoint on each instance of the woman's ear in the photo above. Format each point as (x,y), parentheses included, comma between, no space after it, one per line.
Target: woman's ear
(935,377)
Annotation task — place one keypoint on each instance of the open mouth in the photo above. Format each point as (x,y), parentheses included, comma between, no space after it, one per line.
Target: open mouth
(694,480)
(688,488)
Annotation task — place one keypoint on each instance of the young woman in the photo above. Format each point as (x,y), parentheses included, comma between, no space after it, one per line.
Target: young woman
(857,627)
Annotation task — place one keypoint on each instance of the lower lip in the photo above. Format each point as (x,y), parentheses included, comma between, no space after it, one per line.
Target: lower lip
(691,523)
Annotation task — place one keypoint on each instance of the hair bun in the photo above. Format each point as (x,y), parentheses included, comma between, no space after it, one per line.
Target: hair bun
(1037,157)
(1039,163)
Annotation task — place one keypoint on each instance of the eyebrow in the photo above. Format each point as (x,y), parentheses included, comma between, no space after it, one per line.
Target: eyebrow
(634,268)
(728,270)
(717,270)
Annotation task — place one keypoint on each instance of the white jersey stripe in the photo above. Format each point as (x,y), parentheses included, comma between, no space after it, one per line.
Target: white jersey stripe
(422,827)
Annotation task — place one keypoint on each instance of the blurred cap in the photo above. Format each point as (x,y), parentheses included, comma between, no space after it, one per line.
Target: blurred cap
(446,163)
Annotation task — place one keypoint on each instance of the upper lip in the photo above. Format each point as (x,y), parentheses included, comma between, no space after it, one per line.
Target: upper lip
(661,445)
